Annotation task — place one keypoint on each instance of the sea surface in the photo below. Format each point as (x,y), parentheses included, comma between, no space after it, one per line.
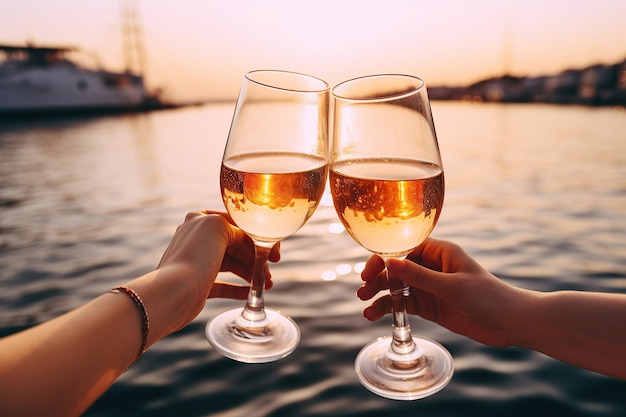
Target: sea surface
(536,193)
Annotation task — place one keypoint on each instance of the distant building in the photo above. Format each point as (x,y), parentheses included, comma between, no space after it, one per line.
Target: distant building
(595,85)
(598,83)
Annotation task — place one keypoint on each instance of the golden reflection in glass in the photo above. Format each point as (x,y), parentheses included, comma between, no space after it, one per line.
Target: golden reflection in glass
(265,196)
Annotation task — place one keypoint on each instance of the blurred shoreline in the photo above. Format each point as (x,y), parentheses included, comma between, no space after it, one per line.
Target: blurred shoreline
(596,85)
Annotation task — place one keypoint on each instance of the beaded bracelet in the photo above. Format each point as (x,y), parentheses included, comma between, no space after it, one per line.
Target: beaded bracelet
(145,325)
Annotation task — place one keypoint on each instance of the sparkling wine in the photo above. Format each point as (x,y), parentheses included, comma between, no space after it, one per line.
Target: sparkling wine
(271,195)
(388,206)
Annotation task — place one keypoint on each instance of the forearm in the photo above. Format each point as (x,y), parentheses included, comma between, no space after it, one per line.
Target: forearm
(581,328)
(64,365)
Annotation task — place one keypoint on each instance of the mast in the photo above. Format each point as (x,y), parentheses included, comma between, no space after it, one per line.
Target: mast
(132,39)
(507,44)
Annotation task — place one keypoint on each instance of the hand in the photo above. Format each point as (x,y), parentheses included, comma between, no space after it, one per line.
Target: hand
(447,287)
(207,243)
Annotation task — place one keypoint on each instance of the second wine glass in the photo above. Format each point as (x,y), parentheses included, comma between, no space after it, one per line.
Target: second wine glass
(386,179)
(273,175)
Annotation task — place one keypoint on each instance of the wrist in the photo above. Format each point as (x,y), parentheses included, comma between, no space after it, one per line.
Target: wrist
(168,299)
(525,318)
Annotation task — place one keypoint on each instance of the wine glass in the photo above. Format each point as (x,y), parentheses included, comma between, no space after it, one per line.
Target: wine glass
(386,180)
(273,175)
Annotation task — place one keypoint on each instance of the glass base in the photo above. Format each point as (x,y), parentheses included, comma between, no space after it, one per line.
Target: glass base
(269,340)
(426,372)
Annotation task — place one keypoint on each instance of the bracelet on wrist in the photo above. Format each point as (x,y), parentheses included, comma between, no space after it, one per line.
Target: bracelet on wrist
(145,322)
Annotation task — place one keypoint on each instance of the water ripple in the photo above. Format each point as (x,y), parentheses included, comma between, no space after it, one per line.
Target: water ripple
(86,205)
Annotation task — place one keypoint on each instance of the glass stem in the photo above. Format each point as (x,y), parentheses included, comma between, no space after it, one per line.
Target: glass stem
(402,343)
(254,311)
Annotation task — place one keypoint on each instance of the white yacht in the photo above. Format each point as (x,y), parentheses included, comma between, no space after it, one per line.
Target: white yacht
(43,80)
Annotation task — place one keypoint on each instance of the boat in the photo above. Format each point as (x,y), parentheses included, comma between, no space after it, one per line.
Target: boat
(43,80)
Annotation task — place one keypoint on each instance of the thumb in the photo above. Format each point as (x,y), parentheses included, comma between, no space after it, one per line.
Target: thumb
(419,277)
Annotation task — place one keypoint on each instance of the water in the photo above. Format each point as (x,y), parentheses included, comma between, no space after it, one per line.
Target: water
(536,193)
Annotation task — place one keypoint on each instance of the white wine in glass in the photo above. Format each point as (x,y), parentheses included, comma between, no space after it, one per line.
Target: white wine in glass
(387,183)
(273,175)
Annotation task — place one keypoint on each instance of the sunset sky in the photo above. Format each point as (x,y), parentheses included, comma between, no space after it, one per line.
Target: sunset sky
(202,48)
